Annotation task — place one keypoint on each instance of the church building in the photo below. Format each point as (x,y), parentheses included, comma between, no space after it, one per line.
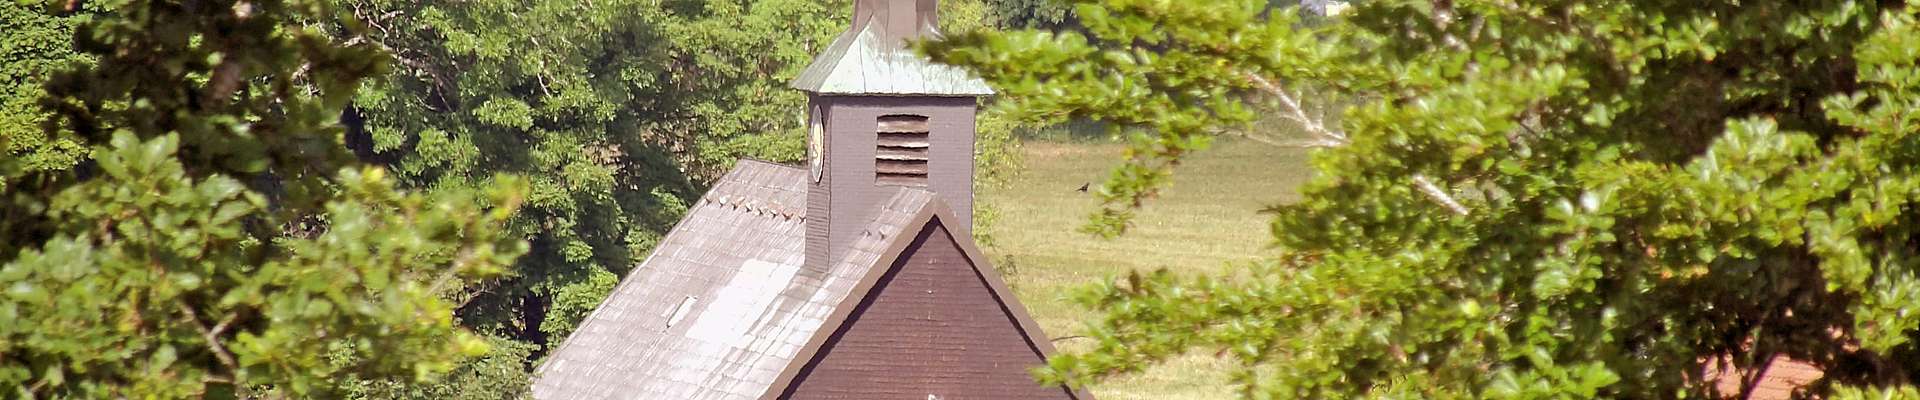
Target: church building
(853,277)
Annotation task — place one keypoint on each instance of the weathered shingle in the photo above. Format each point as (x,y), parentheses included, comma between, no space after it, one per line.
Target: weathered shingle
(733,270)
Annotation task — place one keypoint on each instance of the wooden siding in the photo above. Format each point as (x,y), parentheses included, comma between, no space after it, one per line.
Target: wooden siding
(820,193)
(930,326)
(844,200)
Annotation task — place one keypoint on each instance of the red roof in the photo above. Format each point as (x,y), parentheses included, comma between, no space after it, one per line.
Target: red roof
(1782,377)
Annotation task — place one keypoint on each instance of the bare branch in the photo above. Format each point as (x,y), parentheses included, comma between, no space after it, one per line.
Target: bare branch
(1442,19)
(1332,138)
(542,76)
(441,84)
(1071,337)
(1306,144)
(461,262)
(1438,195)
(212,336)
(1295,112)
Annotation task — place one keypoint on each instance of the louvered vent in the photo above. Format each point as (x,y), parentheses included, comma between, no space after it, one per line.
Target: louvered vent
(901,156)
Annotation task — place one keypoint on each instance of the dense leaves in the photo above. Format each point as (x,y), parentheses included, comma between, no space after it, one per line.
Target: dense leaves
(223,228)
(218,242)
(1030,13)
(33,44)
(1527,199)
(616,112)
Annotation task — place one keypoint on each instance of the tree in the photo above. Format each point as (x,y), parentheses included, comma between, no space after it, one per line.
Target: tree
(219,242)
(616,111)
(33,44)
(1030,13)
(1526,199)
(619,113)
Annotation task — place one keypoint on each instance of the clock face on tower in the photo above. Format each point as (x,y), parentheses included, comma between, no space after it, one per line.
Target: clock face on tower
(816,144)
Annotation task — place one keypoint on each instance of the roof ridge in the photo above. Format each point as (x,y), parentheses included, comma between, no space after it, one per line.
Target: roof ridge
(765,162)
(906,214)
(761,187)
(748,205)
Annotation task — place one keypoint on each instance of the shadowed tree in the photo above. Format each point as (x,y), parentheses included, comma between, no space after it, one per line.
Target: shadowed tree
(618,112)
(220,242)
(1526,199)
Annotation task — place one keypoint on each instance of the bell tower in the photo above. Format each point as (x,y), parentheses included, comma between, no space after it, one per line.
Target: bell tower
(882,118)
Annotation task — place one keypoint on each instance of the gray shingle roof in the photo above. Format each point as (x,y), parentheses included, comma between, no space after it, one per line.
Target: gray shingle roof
(725,303)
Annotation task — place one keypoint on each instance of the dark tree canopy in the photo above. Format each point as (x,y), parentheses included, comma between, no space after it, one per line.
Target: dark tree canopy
(1522,199)
(254,186)
(36,43)
(218,241)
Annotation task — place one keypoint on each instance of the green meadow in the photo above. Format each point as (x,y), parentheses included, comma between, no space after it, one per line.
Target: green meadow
(1207,222)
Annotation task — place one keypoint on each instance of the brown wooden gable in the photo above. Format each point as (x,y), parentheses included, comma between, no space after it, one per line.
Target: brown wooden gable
(724,309)
(937,322)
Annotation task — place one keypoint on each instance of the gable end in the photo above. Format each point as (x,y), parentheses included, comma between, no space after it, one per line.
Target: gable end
(930,318)
(930,327)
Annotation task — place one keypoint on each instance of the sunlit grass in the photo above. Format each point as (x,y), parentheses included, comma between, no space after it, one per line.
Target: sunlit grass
(1208,221)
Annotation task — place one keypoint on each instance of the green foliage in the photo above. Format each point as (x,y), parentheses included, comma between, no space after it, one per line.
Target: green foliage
(1030,13)
(500,374)
(616,111)
(218,243)
(33,44)
(996,161)
(1532,199)
(1900,393)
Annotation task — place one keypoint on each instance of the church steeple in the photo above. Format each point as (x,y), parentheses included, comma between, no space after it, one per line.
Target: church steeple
(882,118)
(900,19)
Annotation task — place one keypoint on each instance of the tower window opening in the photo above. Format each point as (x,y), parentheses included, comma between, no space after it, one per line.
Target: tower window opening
(900,157)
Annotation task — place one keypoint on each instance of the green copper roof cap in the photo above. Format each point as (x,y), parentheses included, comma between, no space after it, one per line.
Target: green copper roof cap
(871,58)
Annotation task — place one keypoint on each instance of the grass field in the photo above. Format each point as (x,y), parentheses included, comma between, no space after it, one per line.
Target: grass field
(1207,221)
